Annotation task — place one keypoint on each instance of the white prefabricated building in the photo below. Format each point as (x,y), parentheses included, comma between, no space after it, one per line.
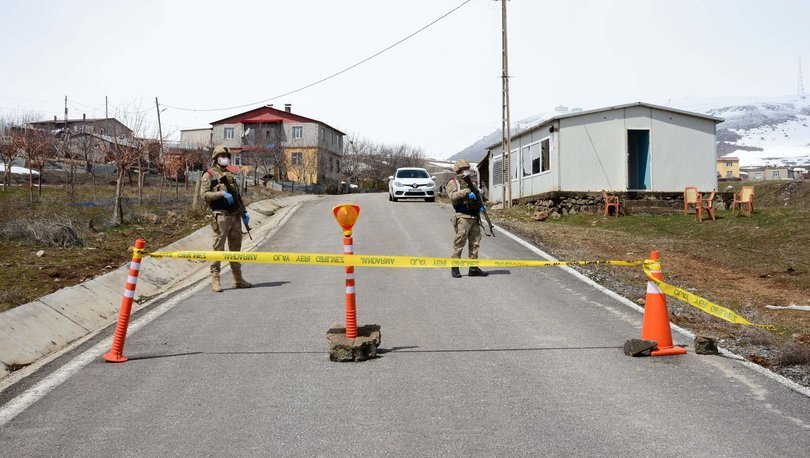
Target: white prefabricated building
(632,147)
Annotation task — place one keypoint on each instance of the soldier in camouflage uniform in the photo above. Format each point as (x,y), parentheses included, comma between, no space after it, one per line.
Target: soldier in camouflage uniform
(227,222)
(466,221)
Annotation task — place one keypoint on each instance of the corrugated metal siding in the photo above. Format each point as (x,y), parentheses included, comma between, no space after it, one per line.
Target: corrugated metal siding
(682,152)
(589,153)
(592,152)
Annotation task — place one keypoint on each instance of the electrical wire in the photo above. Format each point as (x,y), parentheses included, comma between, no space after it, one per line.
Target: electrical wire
(328,77)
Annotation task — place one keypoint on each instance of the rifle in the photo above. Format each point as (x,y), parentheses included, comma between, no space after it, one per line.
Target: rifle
(479,200)
(238,197)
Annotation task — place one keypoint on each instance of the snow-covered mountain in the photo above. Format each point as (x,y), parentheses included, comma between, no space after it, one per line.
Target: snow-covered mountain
(764,132)
(760,131)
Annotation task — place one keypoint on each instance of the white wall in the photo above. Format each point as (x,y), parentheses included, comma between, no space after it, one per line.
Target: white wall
(593,152)
(589,153)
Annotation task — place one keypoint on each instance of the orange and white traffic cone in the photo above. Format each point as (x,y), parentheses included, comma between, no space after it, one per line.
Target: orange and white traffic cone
(656,318)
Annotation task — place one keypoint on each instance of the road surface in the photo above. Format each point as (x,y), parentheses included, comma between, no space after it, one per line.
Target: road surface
(524,362)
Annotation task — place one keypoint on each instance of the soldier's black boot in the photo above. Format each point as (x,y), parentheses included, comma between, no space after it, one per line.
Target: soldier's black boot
(454,272)
(476,272)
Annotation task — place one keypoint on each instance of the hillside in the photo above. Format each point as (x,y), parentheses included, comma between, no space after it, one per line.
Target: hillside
(760,131)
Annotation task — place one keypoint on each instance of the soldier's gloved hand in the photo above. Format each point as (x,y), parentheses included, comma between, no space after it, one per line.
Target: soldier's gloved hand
(483,208)
(472,196)
(246,218)
(228,197)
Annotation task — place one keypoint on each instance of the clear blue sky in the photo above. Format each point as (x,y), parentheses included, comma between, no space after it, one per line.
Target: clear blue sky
(439,90)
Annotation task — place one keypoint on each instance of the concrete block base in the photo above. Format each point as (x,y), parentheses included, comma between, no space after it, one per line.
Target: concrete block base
(362,348)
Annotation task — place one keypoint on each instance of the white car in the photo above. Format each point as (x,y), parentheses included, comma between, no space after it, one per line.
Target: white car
(411,182)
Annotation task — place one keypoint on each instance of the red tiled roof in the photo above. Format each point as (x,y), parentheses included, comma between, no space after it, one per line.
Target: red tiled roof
(284,116)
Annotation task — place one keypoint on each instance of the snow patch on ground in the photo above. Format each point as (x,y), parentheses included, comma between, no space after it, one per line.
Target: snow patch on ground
(18,170)
(805,308)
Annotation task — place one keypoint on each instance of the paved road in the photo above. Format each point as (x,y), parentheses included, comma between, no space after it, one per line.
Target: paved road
(524,362)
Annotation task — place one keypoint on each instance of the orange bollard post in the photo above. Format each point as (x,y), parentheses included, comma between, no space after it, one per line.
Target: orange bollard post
(656,317)
(346,216)
(115,355)
(351,305)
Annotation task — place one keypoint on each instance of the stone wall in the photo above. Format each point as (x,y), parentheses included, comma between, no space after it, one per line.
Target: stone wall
(558,204)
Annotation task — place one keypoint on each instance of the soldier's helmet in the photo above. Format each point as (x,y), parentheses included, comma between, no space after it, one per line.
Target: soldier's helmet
(220,150)
(461,164)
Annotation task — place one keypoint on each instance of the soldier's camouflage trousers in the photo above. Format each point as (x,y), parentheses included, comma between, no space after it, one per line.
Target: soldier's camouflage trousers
(467,231)
(226,228)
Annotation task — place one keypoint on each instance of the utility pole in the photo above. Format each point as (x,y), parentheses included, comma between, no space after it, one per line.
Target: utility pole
(106,116)
(160,128)
(506,141)
(801,83)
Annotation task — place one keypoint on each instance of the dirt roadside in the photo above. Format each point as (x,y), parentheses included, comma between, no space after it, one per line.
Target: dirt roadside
(744,264)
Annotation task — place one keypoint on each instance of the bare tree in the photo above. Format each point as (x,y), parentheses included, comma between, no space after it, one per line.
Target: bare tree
(262,149)
(9,149)
(38,146)
(125,151)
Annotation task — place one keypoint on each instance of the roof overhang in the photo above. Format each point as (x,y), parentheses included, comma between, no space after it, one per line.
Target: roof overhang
(611,108)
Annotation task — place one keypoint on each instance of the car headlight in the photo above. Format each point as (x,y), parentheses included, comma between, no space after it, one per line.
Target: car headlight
(431,184)
(398,184)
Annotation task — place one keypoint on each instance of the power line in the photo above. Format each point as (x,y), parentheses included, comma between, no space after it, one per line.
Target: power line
(330,76)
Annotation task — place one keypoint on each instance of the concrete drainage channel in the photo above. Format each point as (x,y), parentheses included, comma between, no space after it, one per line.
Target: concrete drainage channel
(41,329)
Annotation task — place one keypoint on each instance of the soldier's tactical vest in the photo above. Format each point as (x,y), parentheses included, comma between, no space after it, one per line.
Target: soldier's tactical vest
(221,204)
(465,205)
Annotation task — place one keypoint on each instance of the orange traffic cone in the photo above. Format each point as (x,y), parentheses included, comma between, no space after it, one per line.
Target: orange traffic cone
(656,318)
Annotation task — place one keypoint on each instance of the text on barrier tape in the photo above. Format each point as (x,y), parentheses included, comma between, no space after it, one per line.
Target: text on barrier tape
(707,306)
(368,261)
(326,259)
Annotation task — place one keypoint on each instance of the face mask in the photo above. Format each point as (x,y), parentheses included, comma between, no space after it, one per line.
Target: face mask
(223,161)
(466,173)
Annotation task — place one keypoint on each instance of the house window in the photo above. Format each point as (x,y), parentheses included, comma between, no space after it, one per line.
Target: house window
(297,158)
(729,164)
(340,142)
(333,139)
(758,176)
(497,173)
(298,132)
(331,165)
(775,174)
(338,165)
(237,160)
(228,133)
(729,174)
(535,158)
(323,135)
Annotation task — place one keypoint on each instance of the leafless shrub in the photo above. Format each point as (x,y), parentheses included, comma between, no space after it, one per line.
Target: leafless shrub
(755,337)
(794,354)
(62,234)
(9,296)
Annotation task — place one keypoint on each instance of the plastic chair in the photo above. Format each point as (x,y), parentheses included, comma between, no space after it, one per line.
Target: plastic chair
(744,197)
(705,204)
(611,201)
(691,196)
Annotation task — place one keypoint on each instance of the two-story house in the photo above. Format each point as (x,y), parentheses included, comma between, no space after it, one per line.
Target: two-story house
(97,126)
(728,168)
(284,144)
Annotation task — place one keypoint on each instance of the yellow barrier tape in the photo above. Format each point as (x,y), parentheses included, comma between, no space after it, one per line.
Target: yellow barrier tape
(356,260)
(703,304)
(328,259)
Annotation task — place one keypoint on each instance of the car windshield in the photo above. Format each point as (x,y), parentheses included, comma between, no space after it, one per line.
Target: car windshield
(412,173)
